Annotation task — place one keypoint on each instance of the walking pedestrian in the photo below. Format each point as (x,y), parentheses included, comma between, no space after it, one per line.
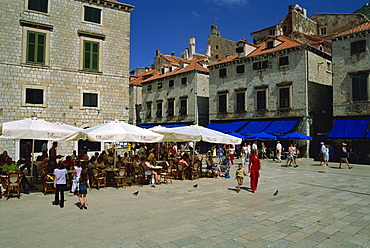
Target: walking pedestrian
(344,156)
(239,176)
(60,184)
(82,192)
(279,149)
(254,167)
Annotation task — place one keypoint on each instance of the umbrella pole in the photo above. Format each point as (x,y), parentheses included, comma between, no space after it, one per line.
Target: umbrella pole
(33,152)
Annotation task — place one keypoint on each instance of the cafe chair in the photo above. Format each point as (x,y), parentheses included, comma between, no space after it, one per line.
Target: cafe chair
(120,177)
(196,170)
(48,182)
(98,178)
(142,178)
(13,183)
(166,175)
(180,172)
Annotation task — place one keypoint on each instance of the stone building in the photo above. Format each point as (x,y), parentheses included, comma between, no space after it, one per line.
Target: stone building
(278,80)
(64,61)
(351,91)
(178,96)
(218,47)
(296,21)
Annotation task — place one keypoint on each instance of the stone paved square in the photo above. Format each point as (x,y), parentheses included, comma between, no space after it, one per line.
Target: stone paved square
(312,209)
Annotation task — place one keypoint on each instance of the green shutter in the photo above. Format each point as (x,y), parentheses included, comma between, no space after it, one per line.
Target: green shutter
(91,56)
(36,47)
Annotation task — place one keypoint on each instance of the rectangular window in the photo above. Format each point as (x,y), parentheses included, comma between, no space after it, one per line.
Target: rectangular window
(184,80)
(36,43)
(159,109)
(240,101)
(272,32)
(90,100)
(222,72)
(284,98)
(171,107)
(38,5)
(149,87)
(148,113)
(91,55)
(222,103)
(261,99)
(159,85)
(269,44)
(283,61)
(260,65)
(240,69)
(35,96)
(358,46)
(92,15)
(183,107)
(323,31)
(359,89)
(171,83)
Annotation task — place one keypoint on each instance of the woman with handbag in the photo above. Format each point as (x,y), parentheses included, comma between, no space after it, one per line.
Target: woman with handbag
(254,167)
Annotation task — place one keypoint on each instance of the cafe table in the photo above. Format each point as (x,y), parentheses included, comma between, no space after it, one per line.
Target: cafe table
(110,174)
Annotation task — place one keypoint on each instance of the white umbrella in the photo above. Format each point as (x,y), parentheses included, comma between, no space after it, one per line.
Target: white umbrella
(116,131)
(35,129)
(197,133)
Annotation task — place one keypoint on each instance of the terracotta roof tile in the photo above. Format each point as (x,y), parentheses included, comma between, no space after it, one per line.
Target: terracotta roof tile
(193,65)
(144,76)
(286,43)
(362,27)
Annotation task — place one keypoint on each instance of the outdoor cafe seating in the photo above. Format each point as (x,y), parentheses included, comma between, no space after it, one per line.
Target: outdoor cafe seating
(12,183)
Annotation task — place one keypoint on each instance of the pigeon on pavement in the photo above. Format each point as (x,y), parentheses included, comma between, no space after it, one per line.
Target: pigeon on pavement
(135,193)
(195,185)
(276,192)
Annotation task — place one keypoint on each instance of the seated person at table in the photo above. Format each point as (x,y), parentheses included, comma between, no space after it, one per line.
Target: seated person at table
(74,156)
(135,166)
(91,162)
(125,158)
(225,164)
(214,167)
(111,158)
(186,168)
(50,167)
(148,171)
(10,166)
(69,163)
(3,157)
(84,156)
(152,157)
(99,163)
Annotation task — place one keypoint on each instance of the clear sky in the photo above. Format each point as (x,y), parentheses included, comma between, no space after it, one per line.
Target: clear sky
(166,25)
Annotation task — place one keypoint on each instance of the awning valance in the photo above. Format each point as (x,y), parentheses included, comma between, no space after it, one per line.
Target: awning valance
(227,127)
(349,129)
(281,127)
(254,127)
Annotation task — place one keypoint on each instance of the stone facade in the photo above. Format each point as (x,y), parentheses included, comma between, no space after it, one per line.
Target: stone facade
(304,75)
(218,47)
(347,66)
(318,24)
(62,79)
(187,86)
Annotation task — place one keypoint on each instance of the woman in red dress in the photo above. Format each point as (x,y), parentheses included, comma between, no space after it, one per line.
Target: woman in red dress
(254,169)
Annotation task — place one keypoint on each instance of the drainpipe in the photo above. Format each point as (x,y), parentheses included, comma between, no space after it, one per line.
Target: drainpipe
(306,118)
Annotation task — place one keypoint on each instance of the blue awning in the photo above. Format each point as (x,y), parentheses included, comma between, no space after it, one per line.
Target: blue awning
(254,127)
(349,129)
(227,127)
(175,125)
(281,127)
(147,126)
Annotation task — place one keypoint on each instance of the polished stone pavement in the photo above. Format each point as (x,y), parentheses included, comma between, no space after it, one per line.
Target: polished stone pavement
(316,207)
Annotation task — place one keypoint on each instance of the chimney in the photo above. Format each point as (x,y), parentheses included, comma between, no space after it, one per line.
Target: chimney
(192,47)
(208,52)
(173,54)
(157,53)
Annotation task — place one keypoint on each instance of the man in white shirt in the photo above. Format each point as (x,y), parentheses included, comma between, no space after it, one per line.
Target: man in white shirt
(279,149)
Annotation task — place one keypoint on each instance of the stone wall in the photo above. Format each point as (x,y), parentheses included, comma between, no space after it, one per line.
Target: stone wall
(61,77)
(346,66)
